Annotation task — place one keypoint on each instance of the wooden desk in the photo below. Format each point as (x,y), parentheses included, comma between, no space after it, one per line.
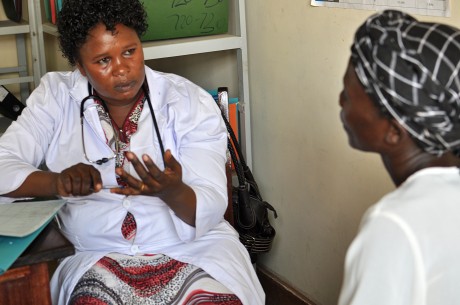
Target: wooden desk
(27,281)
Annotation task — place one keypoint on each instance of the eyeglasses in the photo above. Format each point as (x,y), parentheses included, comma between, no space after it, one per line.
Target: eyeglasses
(117,148)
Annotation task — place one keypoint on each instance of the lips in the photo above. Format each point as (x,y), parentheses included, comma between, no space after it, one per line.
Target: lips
(124,87)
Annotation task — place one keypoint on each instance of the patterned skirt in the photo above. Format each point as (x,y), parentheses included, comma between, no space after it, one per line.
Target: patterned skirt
(118,279)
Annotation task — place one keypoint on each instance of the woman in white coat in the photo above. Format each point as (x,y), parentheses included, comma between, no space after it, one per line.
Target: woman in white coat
(140,158)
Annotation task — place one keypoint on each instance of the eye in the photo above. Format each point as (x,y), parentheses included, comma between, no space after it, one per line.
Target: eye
(129,52)
(104,61)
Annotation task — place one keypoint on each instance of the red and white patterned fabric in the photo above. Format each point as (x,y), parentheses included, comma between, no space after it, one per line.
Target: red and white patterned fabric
(148,279)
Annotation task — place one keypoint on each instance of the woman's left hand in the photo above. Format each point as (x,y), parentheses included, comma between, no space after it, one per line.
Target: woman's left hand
(167,184)
(154,182)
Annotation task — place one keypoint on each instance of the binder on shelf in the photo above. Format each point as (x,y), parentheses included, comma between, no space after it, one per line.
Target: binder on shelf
(232,110)
(47,9)
(53,11)
(20,224)
(13,9)
(233,116)
(10,106)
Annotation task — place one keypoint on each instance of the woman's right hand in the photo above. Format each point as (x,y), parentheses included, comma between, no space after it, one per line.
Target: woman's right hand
(78,180)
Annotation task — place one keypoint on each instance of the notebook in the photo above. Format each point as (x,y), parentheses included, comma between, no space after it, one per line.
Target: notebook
(20,224)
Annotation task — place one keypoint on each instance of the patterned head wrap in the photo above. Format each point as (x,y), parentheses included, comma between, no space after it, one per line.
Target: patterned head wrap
(411,70)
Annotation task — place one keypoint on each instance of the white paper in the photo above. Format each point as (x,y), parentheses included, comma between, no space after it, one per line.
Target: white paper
(19,219)
(3,93)
(440,8)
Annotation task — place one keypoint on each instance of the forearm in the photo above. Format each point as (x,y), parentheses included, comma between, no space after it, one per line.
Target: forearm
(183,203)
(37,184)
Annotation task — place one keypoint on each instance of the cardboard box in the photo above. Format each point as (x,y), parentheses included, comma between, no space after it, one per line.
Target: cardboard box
(185,18)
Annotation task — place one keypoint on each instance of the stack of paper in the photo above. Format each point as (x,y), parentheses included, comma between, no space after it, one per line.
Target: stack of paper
(20,224)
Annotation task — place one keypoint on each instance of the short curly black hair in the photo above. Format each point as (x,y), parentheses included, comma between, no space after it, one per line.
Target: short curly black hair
(78,17)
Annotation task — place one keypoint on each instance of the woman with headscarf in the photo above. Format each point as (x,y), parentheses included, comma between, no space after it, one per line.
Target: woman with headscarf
(401,99)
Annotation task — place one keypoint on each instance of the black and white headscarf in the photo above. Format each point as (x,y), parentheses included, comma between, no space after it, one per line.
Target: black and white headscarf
(411,69)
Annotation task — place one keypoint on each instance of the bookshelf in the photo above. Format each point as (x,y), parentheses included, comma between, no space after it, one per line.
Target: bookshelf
(21,30)
(234,40)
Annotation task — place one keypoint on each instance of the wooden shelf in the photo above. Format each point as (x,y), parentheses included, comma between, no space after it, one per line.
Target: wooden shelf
(8,27)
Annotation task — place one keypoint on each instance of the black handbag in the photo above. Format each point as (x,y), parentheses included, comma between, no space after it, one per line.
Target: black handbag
(250,211)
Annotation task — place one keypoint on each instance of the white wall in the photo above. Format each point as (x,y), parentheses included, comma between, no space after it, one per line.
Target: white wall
(301,158)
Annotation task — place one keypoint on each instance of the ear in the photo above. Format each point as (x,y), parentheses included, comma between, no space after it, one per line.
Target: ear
(395,133)
(81,69)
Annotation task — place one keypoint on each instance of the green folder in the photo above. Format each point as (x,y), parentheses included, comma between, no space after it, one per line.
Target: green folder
(20,224)
(47,10)
(12,247)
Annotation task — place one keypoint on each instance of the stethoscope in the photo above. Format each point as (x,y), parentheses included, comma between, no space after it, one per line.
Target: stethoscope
(117,149)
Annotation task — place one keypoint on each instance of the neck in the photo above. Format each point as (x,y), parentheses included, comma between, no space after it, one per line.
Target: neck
(400,167)
(118,112)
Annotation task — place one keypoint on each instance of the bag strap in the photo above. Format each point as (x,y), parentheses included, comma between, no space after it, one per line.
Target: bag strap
(247,184)
(244,173)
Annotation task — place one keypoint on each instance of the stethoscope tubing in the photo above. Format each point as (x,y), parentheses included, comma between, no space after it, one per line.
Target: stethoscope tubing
(149,102)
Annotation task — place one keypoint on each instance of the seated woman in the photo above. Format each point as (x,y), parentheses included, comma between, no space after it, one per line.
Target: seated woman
(140,157)
(401,99)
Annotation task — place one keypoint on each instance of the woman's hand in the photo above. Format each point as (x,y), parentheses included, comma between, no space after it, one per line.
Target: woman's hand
(167,184)
(154,182)
(78,180)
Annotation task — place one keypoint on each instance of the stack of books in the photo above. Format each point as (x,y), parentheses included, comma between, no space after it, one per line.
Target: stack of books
(52,9)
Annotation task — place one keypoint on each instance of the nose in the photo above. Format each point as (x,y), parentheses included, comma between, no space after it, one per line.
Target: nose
(341,99)
(120,68)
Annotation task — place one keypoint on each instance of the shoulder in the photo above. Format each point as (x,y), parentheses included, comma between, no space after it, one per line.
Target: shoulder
(56,92)
(426,191)
(171,87)
(61,84)
(58,78)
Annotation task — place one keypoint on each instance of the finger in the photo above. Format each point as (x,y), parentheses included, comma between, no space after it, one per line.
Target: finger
(87,184)
(96,179)
(138,166)
(123,191)
(153,169)
(126,177)
(66,183)
(172,163)
(60,186)
(76,185)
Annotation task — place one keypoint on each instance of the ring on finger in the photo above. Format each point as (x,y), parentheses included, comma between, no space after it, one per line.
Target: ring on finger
(142,187)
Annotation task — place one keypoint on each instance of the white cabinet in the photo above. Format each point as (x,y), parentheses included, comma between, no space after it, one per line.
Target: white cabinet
(25,75)
(235,40)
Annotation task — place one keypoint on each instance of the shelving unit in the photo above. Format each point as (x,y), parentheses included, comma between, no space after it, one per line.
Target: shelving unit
(20,30)
(234,40)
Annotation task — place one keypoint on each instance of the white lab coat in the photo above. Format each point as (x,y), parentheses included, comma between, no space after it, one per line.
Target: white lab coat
(190,126)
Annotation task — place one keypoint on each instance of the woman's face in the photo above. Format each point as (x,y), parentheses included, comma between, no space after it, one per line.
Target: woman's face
(361,119)
(113,63)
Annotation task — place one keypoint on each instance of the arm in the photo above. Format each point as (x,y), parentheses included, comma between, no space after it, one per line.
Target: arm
(26,144)
(78,180)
